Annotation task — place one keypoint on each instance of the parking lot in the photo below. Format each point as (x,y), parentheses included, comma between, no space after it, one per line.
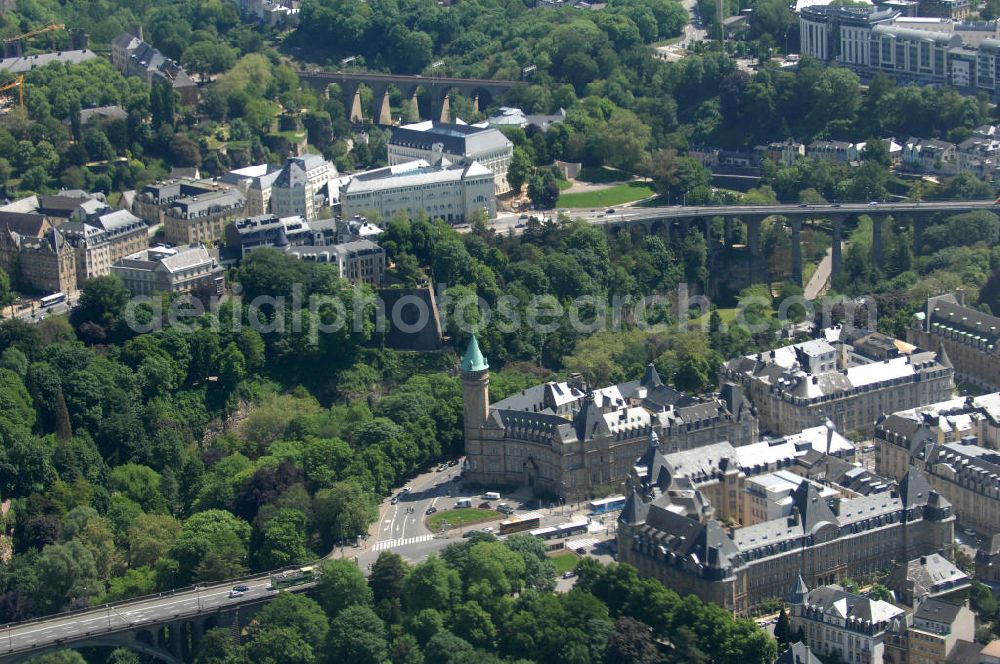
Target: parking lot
(403,518)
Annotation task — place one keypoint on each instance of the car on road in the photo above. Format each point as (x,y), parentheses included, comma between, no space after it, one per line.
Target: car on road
(235,593)
(431,510)
(395,499)
(610,211)
(487,529)
(872,203)
(836,205)
(569,575)
(453,462)
(241,588)
(406,489)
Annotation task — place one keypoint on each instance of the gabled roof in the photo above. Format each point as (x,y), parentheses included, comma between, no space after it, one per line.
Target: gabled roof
(798,653)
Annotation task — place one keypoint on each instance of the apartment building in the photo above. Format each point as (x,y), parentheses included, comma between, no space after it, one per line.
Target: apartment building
(302,187)
(840,624)
(451,192)
(170,270)
(202,218)
(793,387)
(357,261)
(955,443)
(134,57)
(102,237)
(458,143)
(968,337)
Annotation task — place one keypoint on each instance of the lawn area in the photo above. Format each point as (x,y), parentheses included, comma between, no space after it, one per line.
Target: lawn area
(564,184)
(565,561)
(601,175)
(461,516)
(727,316)
(622,193)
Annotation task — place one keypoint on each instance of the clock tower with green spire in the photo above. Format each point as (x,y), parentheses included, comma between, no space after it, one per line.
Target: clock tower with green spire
(475,389)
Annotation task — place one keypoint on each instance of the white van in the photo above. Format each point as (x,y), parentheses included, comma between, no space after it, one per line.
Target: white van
(491,495)
(463,502)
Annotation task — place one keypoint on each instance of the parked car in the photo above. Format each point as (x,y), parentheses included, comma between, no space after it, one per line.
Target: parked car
(395,499)
(485,506)
(431,510)
(970,532)
(453,462)
(569,575)
(487,529)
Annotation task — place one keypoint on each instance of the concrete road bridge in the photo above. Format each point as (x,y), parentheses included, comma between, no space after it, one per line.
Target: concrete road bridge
(440,89)
(168,626)
(679,218)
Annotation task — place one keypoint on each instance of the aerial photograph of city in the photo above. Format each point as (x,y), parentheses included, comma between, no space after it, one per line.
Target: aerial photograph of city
(500,332)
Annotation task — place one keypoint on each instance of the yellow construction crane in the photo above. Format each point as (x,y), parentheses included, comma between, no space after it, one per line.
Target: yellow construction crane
(34,33)
(19,84)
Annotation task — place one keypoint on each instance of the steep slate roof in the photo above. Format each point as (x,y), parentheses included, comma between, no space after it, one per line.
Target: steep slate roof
(798,653)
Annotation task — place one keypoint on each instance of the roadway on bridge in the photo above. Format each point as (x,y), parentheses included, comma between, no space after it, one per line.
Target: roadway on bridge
(629,214)
(111,618)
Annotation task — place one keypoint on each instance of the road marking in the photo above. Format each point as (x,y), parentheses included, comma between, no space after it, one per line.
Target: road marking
(394,543)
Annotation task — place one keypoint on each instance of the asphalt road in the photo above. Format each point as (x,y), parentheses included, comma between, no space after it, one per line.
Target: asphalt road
(510,221)
(122,616)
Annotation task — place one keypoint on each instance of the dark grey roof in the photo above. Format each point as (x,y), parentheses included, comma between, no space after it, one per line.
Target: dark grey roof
(914,489)
(812,508)
(454,138)
(589,422)
(937,611)
(965,319)
(798,653)
(23,223)
(651,378)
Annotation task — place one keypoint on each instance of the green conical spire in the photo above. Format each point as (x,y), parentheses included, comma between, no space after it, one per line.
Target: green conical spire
(473,359)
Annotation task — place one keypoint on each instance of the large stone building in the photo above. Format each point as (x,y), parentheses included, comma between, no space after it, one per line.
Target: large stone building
(853,384)
(134,57)
(670,532)
(939,632)
(152,201)
(955,443)
(36,254)
(356,261)
(201,219)
(302,187)
(170,270)
(449,192)
(970,338)
(47,264)
(458,143)
(567,439)
(255,183)
(836,623)
(102,237)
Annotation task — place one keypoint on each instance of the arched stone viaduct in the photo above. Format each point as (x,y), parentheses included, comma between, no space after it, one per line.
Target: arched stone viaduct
(672,220)
(439,88)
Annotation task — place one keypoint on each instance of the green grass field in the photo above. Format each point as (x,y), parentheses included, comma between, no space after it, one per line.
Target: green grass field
(601,175)
(622,193)
(564,184)
(565,561)
(464,516)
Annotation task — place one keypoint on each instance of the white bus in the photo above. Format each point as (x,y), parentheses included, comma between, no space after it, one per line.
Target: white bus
(51,300)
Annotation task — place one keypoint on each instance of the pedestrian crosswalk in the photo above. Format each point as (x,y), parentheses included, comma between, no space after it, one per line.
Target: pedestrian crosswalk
(394,543)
